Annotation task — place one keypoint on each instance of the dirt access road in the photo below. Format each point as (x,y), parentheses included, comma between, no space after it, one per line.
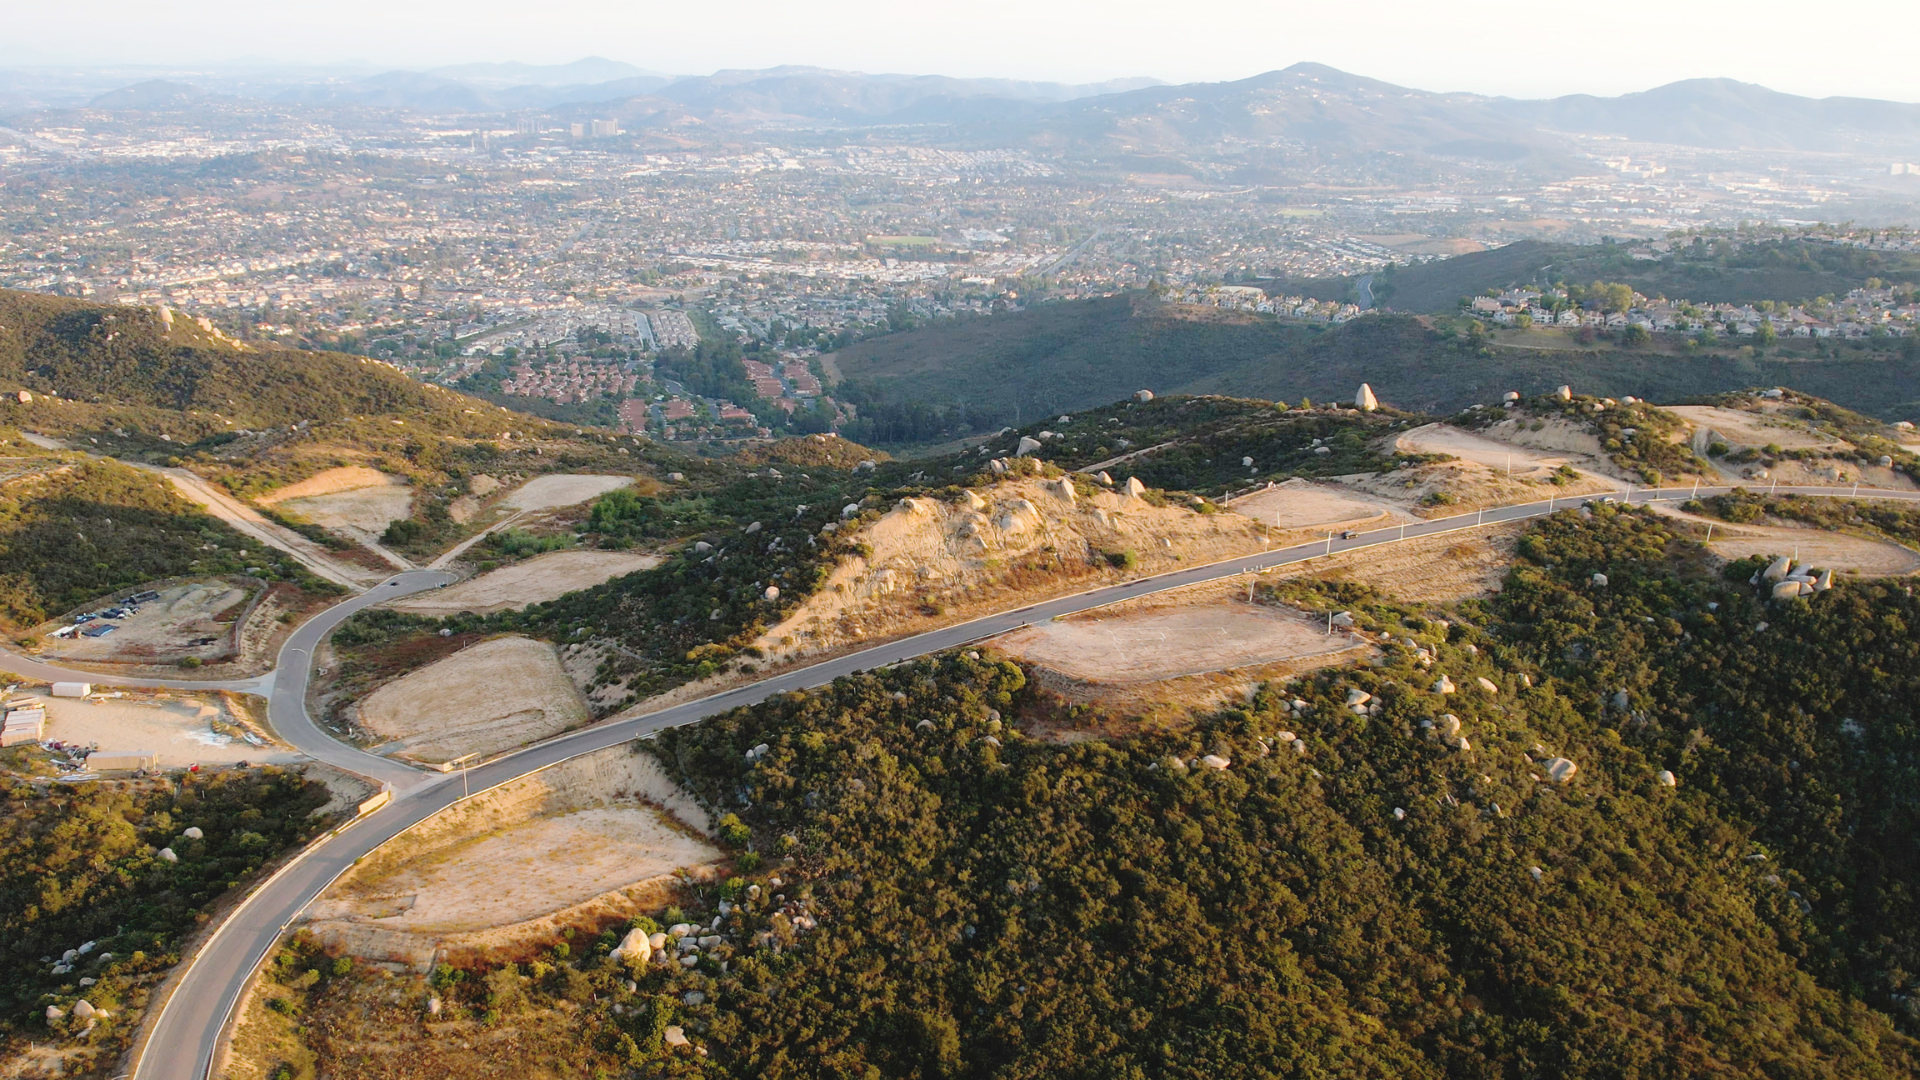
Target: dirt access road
(549,492)
(244,519)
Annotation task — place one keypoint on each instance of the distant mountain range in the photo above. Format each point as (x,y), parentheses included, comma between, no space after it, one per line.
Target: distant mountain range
(1306,107)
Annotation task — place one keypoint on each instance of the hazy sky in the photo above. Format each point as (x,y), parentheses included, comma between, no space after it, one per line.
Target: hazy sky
(1851,47)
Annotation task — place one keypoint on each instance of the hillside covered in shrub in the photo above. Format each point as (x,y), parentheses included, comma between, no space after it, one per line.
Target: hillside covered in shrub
(84,870)
(1378,898)
(78,529)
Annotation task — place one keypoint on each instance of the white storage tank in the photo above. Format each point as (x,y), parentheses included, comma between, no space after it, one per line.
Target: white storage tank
(72,689)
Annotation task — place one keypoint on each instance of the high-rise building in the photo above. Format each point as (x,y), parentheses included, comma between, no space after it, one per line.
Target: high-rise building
(603,128)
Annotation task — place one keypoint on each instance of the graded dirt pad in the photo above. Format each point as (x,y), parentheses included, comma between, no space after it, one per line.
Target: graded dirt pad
(177,727)
(531,869)
(1554,435)
(1303,504)
(1739,428)
(489,697)
(585,842)
(1836,551)
(365,511)
(529,582)
(1170,642)
(329,482)
(1432,569)
(180,624)
(566,489)
(1526,463)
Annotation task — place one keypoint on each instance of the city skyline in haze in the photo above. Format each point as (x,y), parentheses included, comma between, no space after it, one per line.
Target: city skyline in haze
(1793,47)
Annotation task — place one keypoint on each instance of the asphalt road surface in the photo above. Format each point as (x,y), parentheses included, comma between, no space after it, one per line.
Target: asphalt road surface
(186,1036)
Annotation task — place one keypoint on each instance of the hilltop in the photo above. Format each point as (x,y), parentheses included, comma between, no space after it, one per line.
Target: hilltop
(153,358)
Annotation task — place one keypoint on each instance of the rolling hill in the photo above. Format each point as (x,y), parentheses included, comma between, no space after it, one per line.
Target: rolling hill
(947,379)
(1788,270)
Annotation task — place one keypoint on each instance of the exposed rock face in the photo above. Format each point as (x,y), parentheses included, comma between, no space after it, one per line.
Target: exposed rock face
(1063,488)
(1666,778)
(1787,590)
(1486,684)
(1018,515)
(1135,488)
(1215,761)
(1561,770)
(1364,400)
(1565,393)
(1778,569)
(1143,395)
(1444,685)
(1028,444)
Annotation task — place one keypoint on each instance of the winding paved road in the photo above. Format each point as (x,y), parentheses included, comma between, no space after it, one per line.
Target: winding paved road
(187,1033)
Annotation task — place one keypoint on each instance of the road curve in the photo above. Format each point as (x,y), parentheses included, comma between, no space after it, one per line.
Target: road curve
(287,707)
(188,1031)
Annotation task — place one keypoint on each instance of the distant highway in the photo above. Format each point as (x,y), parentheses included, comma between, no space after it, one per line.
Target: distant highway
(187,1033)
(1365,288)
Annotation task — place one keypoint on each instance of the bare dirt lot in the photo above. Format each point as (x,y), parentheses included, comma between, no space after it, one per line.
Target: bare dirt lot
(552,492)
(1486,471)
(1527,463)
(1432,569)
(180,728)
(528,582)
(1170,642)
(587,840)
(194,618)
(328,482)
(362,511)
(1303,504)
(1834,551)
(531,869)
(1739,428)
(490,697)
